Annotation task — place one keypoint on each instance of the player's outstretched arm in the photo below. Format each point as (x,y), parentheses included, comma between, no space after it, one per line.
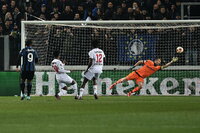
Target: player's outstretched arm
(174,59)
(138,63)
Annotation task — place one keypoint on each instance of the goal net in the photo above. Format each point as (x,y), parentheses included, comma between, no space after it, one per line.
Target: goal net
(124,43)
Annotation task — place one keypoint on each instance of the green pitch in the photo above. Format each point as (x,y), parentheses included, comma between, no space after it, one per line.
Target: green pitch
(112,114)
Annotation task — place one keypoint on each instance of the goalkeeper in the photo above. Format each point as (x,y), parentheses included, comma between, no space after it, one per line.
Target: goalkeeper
(149,67)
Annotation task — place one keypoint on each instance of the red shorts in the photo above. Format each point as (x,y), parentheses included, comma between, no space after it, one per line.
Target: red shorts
(135,76)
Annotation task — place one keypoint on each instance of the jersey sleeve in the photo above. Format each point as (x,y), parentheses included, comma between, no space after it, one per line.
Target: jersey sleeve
(21,52)
(59,67)
(158,68)
(104,55)
(91,54)
(148,62)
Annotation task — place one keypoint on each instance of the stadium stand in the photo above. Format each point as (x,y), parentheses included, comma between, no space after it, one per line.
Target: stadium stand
(13,11)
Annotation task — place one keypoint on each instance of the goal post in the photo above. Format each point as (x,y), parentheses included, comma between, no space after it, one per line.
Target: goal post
(124,43)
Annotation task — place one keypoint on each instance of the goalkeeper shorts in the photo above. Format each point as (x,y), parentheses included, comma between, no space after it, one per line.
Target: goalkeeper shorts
(135,76)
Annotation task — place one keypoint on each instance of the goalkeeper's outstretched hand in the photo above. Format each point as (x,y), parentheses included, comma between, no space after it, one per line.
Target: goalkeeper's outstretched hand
(174,59)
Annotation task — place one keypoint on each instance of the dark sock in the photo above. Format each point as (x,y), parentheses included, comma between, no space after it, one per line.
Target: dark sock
(22,86)
(29,86)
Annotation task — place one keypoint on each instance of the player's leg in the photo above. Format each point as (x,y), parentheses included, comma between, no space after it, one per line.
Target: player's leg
(88,76)
(68,80)
(94,80)
(30,76)
(29,87)
(140,85)
(75,88)
(85,80)
(131,76)
(62,92)
(62,80)
(22,84)
(119,81)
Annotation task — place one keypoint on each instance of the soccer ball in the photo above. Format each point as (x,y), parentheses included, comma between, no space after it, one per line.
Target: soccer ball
(179,49)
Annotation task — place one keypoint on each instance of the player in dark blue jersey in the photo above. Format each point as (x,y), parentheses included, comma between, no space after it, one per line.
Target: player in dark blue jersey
(30,57)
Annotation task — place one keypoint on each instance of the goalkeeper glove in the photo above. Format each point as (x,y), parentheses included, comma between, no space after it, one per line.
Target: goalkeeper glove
(174,59)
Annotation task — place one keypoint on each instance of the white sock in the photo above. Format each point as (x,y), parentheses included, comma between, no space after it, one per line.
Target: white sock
(75,89)
(74,86)
(62,92)
(81,92)
(95,89)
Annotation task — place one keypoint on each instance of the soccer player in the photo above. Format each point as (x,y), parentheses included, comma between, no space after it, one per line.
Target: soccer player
(94,69)
(61,76)
(30,57)
(149,67)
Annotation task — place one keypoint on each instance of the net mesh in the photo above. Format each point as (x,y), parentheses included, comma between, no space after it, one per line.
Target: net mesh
(123,44)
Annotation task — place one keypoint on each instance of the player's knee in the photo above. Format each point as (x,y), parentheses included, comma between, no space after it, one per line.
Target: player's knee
(73,82)
(124,79)
(140,85)
(64,88)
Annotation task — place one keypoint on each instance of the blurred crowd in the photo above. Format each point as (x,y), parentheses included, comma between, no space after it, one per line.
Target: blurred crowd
(14,11)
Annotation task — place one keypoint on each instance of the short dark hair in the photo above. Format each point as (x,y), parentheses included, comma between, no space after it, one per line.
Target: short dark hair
(157,58)
(56,53)
(28,42)
(95,43)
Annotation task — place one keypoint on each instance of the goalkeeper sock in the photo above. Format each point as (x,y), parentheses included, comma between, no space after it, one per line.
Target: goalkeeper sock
(119,81)
(81,92)
(136,89)
(95,89)
(22,86)
(29,86)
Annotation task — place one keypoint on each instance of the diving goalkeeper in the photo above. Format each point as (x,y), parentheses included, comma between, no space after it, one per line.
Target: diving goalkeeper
(149,67)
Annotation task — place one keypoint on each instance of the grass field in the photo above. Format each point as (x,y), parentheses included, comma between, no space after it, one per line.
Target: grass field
(112,114)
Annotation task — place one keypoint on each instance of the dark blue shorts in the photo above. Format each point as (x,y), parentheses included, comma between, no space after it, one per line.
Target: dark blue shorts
(27,75)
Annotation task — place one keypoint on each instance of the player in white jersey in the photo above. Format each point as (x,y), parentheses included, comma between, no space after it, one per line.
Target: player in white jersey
(94,69)
(61,76)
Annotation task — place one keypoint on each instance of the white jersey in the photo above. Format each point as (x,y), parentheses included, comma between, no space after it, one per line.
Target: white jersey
(97,56)
(58,66)
(61,76)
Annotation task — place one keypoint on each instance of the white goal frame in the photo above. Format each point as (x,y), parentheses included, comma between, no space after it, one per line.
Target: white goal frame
(46,68)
